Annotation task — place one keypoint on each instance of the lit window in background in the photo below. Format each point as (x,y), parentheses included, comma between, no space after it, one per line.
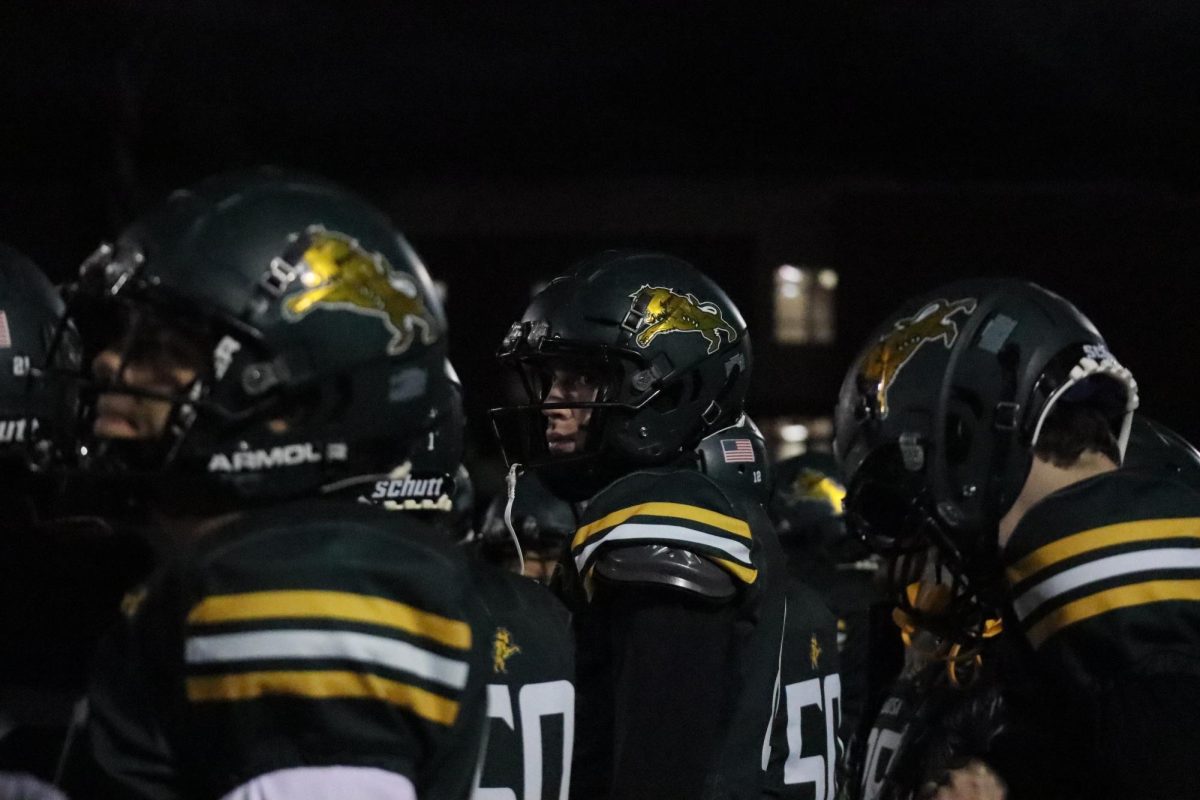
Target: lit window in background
(794,436)
(804,305)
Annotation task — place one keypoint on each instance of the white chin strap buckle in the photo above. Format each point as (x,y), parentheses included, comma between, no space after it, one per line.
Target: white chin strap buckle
(510,482)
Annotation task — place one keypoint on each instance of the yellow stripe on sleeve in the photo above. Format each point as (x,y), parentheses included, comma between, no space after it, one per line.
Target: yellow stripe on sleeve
(1110,600)
(738,527)
(305,604)
(1099,538)
(322,685)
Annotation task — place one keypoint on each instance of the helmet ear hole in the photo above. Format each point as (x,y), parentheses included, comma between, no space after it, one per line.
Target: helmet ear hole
(670,397)
(962,418)
(292,412)
(310,405)
(958,439)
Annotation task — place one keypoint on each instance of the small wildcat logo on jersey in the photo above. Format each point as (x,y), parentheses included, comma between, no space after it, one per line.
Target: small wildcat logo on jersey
(502,650)
(894,349)
(339,274)
(657,310)
(814,651)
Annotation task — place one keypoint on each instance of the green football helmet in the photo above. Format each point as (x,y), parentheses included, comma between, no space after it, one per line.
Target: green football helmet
(36,404)
(737,456)
(939,414)
(323,346)
(1153,447)
(666,349)
(541,522)
(806,501)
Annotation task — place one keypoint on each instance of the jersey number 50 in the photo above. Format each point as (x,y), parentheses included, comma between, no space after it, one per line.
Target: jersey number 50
(535,701)
(819,768)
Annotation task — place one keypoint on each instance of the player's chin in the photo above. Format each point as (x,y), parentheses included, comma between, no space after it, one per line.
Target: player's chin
(561,446)
(114,426)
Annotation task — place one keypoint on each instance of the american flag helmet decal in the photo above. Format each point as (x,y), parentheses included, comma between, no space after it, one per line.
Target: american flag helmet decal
(737,451)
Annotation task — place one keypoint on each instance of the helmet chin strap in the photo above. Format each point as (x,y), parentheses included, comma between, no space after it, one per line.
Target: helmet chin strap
(510,482)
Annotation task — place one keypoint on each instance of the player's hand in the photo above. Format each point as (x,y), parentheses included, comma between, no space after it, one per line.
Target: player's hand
(975,781)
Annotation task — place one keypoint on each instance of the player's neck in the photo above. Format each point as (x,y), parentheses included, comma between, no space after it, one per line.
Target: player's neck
(1044,479)
(177,532)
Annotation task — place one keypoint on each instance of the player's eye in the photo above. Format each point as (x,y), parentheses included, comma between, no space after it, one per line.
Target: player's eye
(578,381)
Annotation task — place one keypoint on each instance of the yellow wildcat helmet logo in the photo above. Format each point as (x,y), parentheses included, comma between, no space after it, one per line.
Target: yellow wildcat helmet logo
(895,348)
(339,274)
(660,310)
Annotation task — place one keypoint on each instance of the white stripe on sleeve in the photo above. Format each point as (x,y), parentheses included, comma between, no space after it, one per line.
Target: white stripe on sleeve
(633,531)
(319,644)
(1164,558)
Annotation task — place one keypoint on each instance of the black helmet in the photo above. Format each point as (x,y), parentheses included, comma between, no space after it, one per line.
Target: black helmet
(938,416)
(669,350)
(328,352)
(1153,447)
(542,522)
(806,500)
(36,406)
(737,456)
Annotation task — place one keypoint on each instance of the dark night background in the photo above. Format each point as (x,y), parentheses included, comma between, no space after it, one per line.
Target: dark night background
(900,143)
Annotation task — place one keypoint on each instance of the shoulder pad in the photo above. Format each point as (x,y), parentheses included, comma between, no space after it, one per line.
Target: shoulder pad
(666,566)
(680,510)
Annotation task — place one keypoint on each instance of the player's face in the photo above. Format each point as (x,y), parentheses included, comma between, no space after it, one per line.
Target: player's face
(567,428)
(155,360)
(539,565)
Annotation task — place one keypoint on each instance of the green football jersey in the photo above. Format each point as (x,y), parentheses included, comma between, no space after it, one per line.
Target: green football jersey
(804,753)
(993,708)
(877,772)
(1105,581)
(1105,578)
(318,636)
(531,692)
(677,671)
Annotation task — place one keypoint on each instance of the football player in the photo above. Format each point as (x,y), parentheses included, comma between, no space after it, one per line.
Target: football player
(676,581)
(949,705)
(542,525)
(804,753)
(265,349)
(988,419)
(806,505)
(531,695)
(60,579)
